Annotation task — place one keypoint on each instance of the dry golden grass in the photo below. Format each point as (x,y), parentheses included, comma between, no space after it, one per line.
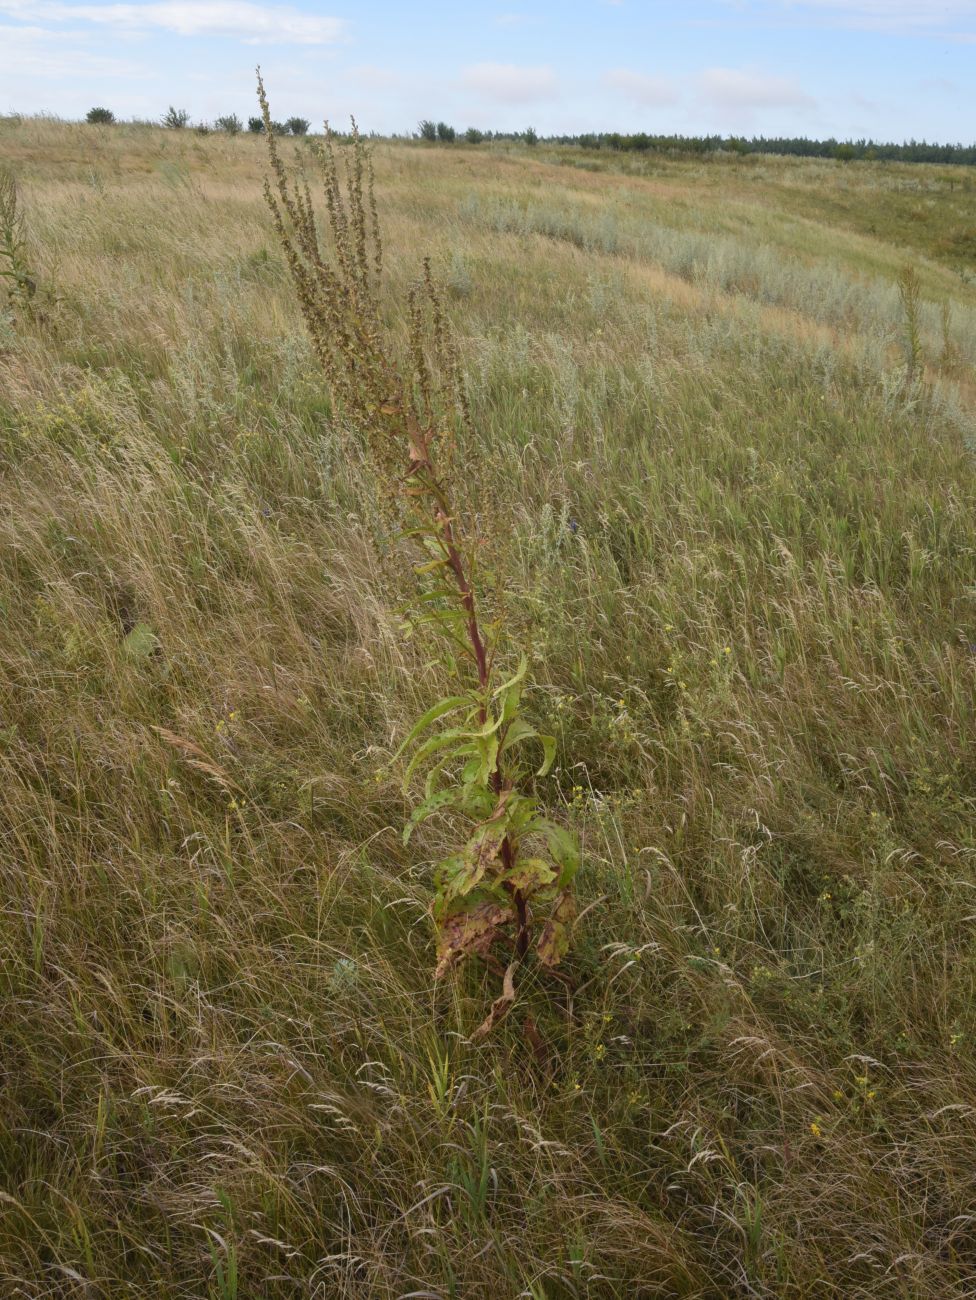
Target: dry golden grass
(745,551)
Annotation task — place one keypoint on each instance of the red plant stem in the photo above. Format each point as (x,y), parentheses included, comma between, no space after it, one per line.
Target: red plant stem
(467,603)
(507,851)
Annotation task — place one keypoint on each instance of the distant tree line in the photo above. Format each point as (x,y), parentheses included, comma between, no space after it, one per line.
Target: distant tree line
(846,150)
(638,142)
(643,142)
(177,119)
(440,131)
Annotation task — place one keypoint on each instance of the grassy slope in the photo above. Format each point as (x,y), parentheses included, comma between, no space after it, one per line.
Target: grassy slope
(747,562)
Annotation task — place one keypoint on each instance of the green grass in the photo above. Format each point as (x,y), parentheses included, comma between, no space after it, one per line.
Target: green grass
(746,555)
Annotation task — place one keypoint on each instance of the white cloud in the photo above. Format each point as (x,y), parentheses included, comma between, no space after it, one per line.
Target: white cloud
(251,23)
(651,92)
(730,88)
(35,52)
(893,16)
(507,83)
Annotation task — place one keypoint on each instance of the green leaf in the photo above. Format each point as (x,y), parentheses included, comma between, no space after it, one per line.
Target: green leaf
(513,681)
(565,851)
(480,799)
(530,874)
(438,710)
(518,731)
(435,593)
(445,874)
(510,693)
(141,642)
(489,758)
(435,803)
(521,813)
(548,754)
(460,875)
(453,736)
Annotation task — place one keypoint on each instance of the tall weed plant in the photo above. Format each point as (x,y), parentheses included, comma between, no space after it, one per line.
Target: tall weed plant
(510,880)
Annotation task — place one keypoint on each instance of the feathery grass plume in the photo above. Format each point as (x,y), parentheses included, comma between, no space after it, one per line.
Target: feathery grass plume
(513,874)
(14,265)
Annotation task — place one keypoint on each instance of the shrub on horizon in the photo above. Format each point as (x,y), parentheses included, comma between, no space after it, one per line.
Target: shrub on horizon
(298,125)
(231,124)
(175,118)
(100,117)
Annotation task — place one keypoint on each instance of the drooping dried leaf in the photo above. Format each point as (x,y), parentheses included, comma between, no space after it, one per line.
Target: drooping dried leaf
(469,934)
(480,852)
(554,939)
(500,1007)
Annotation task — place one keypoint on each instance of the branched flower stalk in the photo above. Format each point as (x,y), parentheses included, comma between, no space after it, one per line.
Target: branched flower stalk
(511,879)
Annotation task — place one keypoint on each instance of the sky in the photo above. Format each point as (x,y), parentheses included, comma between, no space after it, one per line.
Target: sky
(888,69)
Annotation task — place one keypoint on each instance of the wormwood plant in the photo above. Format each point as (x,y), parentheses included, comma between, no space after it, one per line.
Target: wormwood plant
(510,879)
(949,360)
(909,291)
(14,266)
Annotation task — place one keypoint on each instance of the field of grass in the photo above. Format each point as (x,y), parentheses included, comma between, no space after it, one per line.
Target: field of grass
(743,548)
